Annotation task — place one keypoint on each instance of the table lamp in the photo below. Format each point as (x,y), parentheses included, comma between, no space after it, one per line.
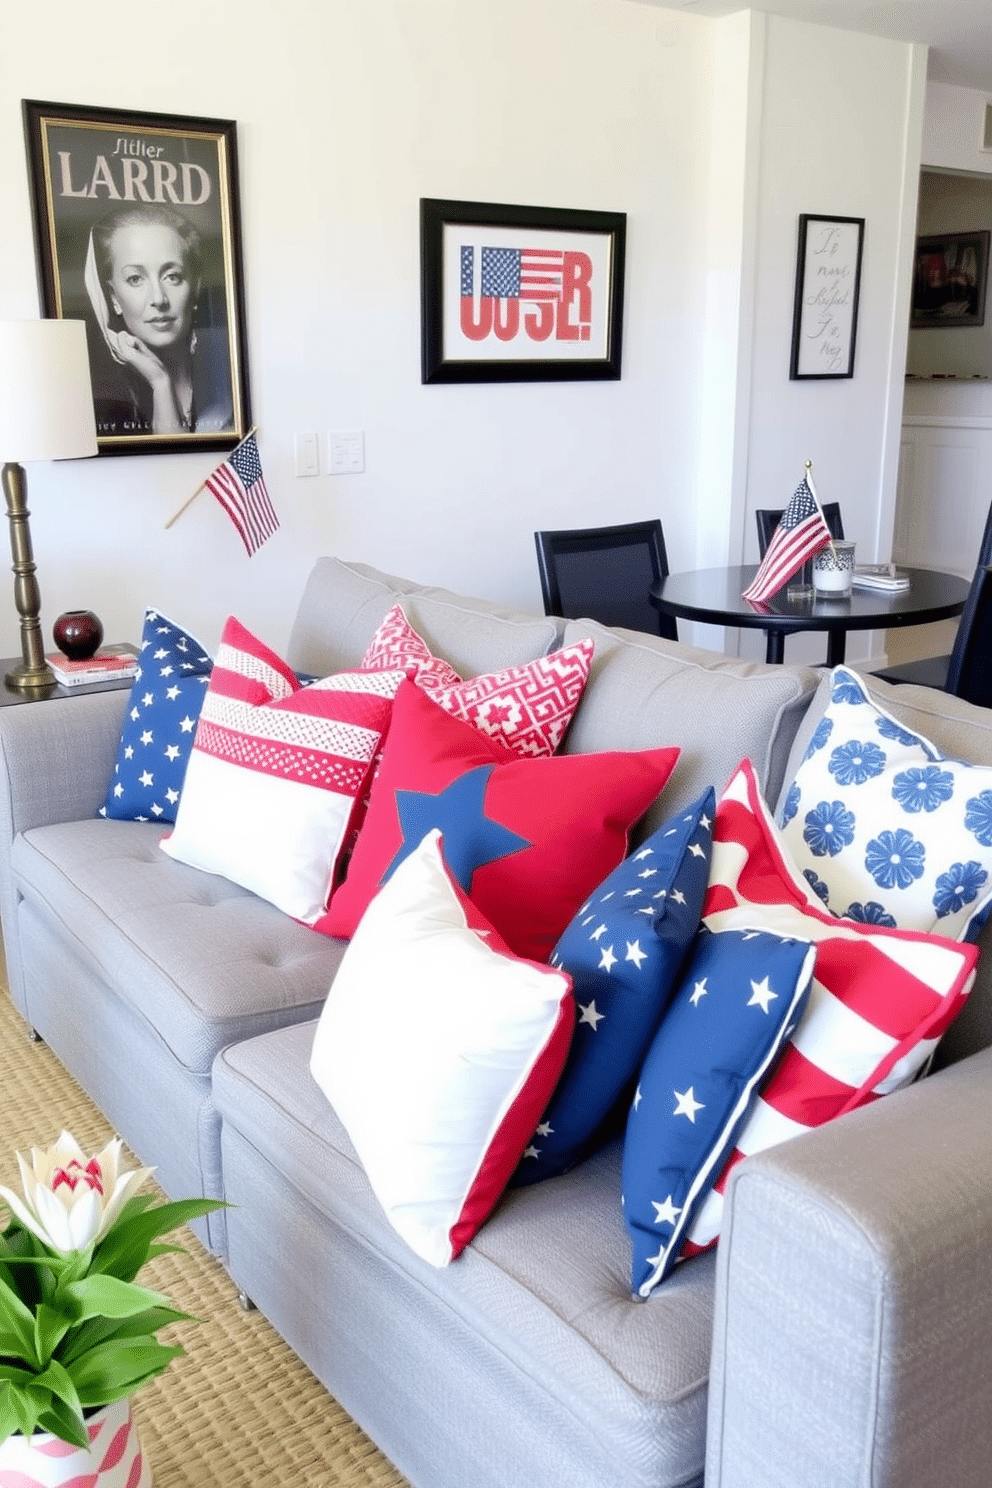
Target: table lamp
(46,413)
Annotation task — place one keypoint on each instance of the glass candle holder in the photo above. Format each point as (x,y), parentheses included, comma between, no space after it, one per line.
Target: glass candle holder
(833,570)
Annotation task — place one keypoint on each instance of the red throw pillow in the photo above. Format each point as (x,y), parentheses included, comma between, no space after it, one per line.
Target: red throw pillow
(526,839)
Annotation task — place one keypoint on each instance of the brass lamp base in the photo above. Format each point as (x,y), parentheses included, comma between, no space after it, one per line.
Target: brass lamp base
(34,672)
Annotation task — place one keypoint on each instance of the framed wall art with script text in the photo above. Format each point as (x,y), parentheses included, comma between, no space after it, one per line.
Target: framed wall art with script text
(137,231)
(828,280)
(520,294)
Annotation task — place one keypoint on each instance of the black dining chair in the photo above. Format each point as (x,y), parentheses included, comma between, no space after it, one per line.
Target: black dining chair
(604,573)
(934,671)
(969,674)
(768,519)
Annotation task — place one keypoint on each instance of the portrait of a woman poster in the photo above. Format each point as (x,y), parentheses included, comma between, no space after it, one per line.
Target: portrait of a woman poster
(137,229)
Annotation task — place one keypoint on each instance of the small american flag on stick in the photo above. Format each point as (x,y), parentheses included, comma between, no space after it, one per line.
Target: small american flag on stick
(239,486)
(801,532)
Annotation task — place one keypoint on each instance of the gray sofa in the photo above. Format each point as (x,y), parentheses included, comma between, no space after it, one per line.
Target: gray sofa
(840,1335)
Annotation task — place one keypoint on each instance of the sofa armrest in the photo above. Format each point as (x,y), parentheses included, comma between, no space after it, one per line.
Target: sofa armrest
(853,1329)
(56,759)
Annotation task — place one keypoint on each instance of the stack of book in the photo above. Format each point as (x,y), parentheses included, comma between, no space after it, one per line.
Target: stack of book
(109,664)
(879,576)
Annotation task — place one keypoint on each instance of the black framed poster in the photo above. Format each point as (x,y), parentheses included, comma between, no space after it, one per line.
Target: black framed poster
(519,293)
(137,231)
(828,283)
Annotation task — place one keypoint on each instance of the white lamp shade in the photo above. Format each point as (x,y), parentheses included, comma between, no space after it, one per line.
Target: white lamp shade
(46,396)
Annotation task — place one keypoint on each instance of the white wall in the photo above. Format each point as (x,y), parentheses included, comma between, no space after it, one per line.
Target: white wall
(711,135)
(841,119)
(348,112)
(954,128)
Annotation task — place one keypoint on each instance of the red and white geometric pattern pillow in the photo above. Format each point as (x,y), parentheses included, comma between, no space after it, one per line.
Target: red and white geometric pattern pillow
(275,772)
(880,999)
(527,707)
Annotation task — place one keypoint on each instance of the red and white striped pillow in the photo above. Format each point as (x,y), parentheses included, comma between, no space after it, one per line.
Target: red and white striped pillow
(275,772)
(880,1000)
(526,707)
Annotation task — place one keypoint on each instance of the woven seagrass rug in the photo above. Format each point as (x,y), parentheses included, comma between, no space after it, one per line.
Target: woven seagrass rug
(240,1410)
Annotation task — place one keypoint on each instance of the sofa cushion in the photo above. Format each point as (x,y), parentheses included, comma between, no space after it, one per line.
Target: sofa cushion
(741,997)
(885,826)
(624,950)
(717,711)
(881,998)
(438,1048)
(199,960)
(547,1323)
(526,707)
(160,723)
(343,602)
(276,772)
(527,839)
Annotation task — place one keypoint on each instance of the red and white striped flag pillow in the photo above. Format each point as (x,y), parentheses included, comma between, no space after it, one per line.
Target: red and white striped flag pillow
(880,999)
(275,772)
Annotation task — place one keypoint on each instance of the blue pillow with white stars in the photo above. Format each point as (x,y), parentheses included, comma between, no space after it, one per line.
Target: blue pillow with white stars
(742,996)
(623,950)
(160,724)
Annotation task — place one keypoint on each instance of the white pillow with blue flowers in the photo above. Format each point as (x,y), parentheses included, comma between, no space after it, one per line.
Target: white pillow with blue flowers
(884,827)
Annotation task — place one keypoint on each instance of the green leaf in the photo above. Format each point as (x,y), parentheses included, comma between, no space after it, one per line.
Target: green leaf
(50,1327)
(107,1296)
(99,1330)
(16,1327)
(18,1412)
(61,1421)
(115,1369)
(125,1250)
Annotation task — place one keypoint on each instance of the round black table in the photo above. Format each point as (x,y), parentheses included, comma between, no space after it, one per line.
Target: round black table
(713,596)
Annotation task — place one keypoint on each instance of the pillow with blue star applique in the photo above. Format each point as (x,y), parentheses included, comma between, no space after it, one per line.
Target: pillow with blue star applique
(624,951)
(526,839)
(160,723)
(887,829)
(742,996)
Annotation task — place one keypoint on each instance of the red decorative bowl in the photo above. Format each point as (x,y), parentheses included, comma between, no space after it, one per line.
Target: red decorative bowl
(77,634)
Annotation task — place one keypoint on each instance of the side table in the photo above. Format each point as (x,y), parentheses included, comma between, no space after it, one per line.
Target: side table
(9,696)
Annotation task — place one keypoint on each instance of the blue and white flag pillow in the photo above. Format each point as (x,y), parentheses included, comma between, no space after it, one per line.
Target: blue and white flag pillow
(885,828)
(624,950)
(160,724)
(743,995)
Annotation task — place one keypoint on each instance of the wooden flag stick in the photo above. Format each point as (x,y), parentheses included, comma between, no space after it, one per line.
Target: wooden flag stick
(813,493)
(190,499)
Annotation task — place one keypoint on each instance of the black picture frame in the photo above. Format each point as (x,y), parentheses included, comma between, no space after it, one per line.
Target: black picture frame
(164,189)
(560,317)
(950,280)
(828,288)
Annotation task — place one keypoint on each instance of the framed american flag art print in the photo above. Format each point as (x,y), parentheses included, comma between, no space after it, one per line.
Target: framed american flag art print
(520,294)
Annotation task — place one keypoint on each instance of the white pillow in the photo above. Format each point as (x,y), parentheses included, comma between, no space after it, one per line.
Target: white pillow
(439,1049)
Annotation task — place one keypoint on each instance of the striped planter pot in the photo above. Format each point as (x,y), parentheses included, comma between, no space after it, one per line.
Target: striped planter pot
(113,1458)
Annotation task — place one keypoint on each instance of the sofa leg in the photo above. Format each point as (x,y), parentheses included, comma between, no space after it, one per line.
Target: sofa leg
(34,1037)
(244,1301)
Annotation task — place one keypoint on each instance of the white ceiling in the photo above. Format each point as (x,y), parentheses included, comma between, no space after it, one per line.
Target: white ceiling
(958,32)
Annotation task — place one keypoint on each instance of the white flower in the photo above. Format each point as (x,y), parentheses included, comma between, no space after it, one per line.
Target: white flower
(71,1200)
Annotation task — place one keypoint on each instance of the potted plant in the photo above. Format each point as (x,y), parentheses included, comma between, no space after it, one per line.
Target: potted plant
(77,1332)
